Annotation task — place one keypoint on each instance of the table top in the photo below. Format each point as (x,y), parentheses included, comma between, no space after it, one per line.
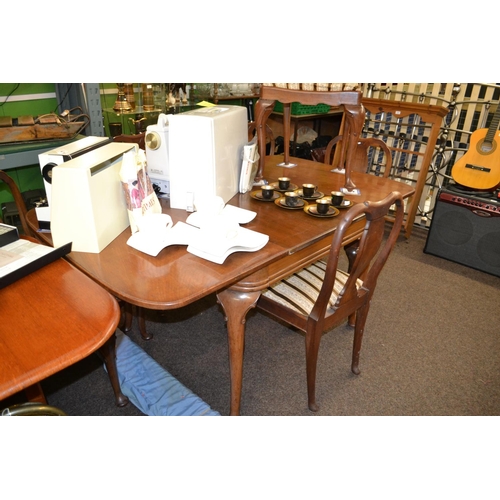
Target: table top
(49,320)
(176,278)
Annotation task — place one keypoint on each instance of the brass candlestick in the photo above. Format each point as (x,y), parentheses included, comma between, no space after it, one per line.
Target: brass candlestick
(121,103)
(147,97)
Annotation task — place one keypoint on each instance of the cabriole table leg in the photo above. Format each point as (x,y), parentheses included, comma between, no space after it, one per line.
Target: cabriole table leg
(236,306)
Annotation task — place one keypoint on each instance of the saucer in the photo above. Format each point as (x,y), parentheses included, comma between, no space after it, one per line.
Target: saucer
(257,195)
(282,204)
(291,187)
(345,204)
(315,196)
(312,210)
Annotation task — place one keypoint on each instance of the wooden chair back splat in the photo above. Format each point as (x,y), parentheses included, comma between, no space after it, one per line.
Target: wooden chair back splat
(360,160)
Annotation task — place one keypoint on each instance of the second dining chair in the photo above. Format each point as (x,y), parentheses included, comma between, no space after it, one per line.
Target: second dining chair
(320,296)
(18,200)
(349,101)
(252,128)
(366,147)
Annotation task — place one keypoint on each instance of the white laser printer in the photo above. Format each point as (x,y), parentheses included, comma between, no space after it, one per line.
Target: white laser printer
(205,149)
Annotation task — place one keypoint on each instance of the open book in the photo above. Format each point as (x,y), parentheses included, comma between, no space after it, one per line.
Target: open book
(20,257)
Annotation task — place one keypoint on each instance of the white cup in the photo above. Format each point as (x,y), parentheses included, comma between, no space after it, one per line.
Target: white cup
(152,223)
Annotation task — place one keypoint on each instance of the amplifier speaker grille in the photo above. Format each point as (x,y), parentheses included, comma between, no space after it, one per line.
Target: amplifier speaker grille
(465,233)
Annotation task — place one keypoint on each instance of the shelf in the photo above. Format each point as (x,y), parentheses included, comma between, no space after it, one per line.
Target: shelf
(25,154)
(138,110)
(235,97)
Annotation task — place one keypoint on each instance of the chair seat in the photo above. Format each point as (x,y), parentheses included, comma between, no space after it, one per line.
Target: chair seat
(300,291)
(10,213)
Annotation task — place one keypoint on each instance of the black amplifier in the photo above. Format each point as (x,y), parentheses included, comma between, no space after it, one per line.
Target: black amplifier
(466,229)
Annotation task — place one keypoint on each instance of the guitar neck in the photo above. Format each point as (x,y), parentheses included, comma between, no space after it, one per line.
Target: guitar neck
(493,126)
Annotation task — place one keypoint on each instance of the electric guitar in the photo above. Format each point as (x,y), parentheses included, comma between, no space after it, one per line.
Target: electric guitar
(479,167)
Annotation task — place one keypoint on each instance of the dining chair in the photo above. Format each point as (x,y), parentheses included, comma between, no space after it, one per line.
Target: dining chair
(252,129)
(320,296)
(139,139)
(350,101)
(18,200)
(364,147)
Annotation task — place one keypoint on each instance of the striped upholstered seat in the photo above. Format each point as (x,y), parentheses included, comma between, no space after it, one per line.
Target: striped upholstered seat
(300,290)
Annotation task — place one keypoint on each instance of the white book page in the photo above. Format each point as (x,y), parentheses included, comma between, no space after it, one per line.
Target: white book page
(19,253)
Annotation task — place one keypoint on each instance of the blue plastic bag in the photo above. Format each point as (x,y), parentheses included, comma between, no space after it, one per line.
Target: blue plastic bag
(150,387)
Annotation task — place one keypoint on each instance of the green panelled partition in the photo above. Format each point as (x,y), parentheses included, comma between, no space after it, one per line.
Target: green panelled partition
(20,99)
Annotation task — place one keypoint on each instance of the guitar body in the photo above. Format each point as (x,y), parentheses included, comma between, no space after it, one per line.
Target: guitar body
(479,167)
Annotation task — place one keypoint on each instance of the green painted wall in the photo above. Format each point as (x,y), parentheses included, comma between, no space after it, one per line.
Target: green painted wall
(39,99)
(38,106)
(26,178)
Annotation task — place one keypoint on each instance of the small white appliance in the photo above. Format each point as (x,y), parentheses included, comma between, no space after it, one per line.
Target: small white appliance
(54,157)
(205,154)
(157,154)
(88,206)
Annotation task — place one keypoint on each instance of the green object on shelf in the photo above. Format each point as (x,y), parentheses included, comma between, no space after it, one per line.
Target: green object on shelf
(303,109)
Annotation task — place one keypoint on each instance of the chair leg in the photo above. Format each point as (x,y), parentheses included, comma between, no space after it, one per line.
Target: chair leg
(351,251)
(351,320)
(128,317)
(141,319)
(312,348)
(35,393)
(359,329)
(108,352)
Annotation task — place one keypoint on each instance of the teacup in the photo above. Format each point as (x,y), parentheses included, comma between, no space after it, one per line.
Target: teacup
(308,190)
(322,206)
(292,198)
(284,183)
(153,223)
(337,198)
(267,192)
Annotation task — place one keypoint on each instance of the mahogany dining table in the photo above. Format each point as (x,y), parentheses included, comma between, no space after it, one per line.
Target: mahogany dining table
(176,278)
(49,320)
